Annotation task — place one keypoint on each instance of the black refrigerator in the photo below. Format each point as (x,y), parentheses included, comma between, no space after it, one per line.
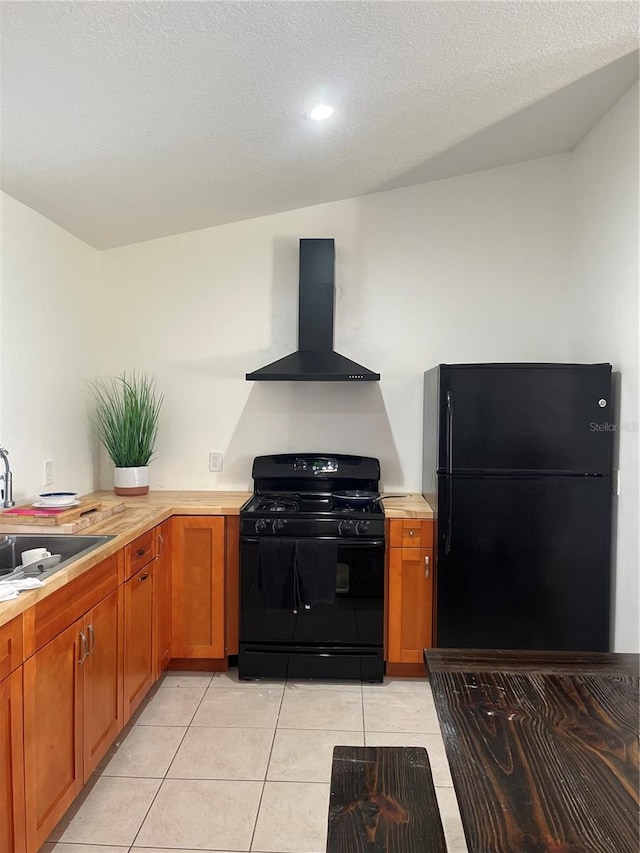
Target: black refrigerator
(517,464)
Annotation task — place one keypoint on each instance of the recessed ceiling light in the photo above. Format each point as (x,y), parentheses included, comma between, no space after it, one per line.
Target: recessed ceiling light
(321,112)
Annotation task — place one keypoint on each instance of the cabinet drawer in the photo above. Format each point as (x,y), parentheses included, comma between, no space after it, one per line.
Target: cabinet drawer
(140,552)
(410,533)
(10,646)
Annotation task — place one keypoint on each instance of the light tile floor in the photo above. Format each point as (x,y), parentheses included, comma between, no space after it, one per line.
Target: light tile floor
(212,763)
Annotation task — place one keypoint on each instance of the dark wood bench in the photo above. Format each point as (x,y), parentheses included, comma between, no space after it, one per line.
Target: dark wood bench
(383,801)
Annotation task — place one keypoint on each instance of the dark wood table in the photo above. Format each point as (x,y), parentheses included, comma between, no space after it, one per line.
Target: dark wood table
(543,748)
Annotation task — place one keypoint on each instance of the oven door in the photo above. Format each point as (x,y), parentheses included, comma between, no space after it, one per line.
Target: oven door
(339,640)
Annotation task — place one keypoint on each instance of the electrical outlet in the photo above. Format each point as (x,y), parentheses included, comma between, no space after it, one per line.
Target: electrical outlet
(48,472)
(215,461)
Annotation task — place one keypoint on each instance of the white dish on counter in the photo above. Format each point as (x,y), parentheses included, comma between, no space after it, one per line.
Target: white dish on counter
(57,499)
(43,505)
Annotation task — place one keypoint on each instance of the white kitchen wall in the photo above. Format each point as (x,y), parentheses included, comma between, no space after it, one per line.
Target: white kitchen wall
(49,327)
(605,282)
(472,268)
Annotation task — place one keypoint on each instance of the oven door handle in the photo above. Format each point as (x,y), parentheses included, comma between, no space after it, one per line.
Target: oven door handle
(359,543)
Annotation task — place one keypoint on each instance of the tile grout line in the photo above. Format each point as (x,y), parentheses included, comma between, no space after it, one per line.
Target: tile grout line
(146,815)
(266,770)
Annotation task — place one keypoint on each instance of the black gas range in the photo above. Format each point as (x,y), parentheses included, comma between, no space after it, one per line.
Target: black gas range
(293,514)
(312,569)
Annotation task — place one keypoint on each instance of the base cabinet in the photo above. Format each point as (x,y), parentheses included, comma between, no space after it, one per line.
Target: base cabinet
(93,650)
(139,661)
(72,713)
(410,591)
(12,818)
(53,716)
(198,572)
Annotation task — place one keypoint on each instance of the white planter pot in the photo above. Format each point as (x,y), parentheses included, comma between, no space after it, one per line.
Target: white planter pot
(131,481)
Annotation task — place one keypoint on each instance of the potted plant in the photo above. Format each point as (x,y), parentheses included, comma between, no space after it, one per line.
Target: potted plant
(126,422)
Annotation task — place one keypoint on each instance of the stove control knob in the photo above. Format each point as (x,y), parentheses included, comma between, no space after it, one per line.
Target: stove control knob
(362,526)
(261,524)
(278,524)
(345,528)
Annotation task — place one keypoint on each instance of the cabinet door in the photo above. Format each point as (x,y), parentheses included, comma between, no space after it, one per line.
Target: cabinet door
(198,610)
(12,823)
(103,710)
(162,600)
(138,638)
(410,603)
(53,684)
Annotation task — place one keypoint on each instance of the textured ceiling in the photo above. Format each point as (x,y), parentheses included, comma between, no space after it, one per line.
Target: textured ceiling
(124,121)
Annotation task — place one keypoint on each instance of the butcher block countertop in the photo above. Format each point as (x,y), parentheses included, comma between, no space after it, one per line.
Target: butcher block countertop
(413,505)
(142,513)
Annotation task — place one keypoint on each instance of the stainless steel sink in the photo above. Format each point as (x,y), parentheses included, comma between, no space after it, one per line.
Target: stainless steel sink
(70,548)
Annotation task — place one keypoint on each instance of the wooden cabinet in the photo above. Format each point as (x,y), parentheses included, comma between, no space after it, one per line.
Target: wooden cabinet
(140,623)
(139,661)
(12,818)
(409,593)
(198,588)
(162,600)
(72,712)
(91,650)
(53,731)
(103,672)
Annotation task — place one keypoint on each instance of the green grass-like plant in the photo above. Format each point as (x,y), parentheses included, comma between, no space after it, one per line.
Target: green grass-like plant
(126,417)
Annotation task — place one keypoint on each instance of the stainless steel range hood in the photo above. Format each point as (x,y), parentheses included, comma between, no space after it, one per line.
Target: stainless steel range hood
(315,358)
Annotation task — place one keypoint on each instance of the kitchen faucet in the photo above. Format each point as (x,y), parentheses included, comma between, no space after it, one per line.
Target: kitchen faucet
(7,477)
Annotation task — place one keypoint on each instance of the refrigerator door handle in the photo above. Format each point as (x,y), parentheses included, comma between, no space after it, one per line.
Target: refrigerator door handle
(449,517)
(449,433)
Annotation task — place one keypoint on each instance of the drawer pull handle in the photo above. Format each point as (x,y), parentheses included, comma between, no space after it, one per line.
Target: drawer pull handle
(141,552)
(411,532)
(92,640)
(144,577)
(426,566)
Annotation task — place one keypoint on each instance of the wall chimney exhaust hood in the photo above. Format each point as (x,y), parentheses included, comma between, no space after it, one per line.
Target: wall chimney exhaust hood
(315,358)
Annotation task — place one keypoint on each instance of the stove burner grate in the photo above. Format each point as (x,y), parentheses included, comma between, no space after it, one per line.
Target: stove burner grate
(340,507)
(278,503)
